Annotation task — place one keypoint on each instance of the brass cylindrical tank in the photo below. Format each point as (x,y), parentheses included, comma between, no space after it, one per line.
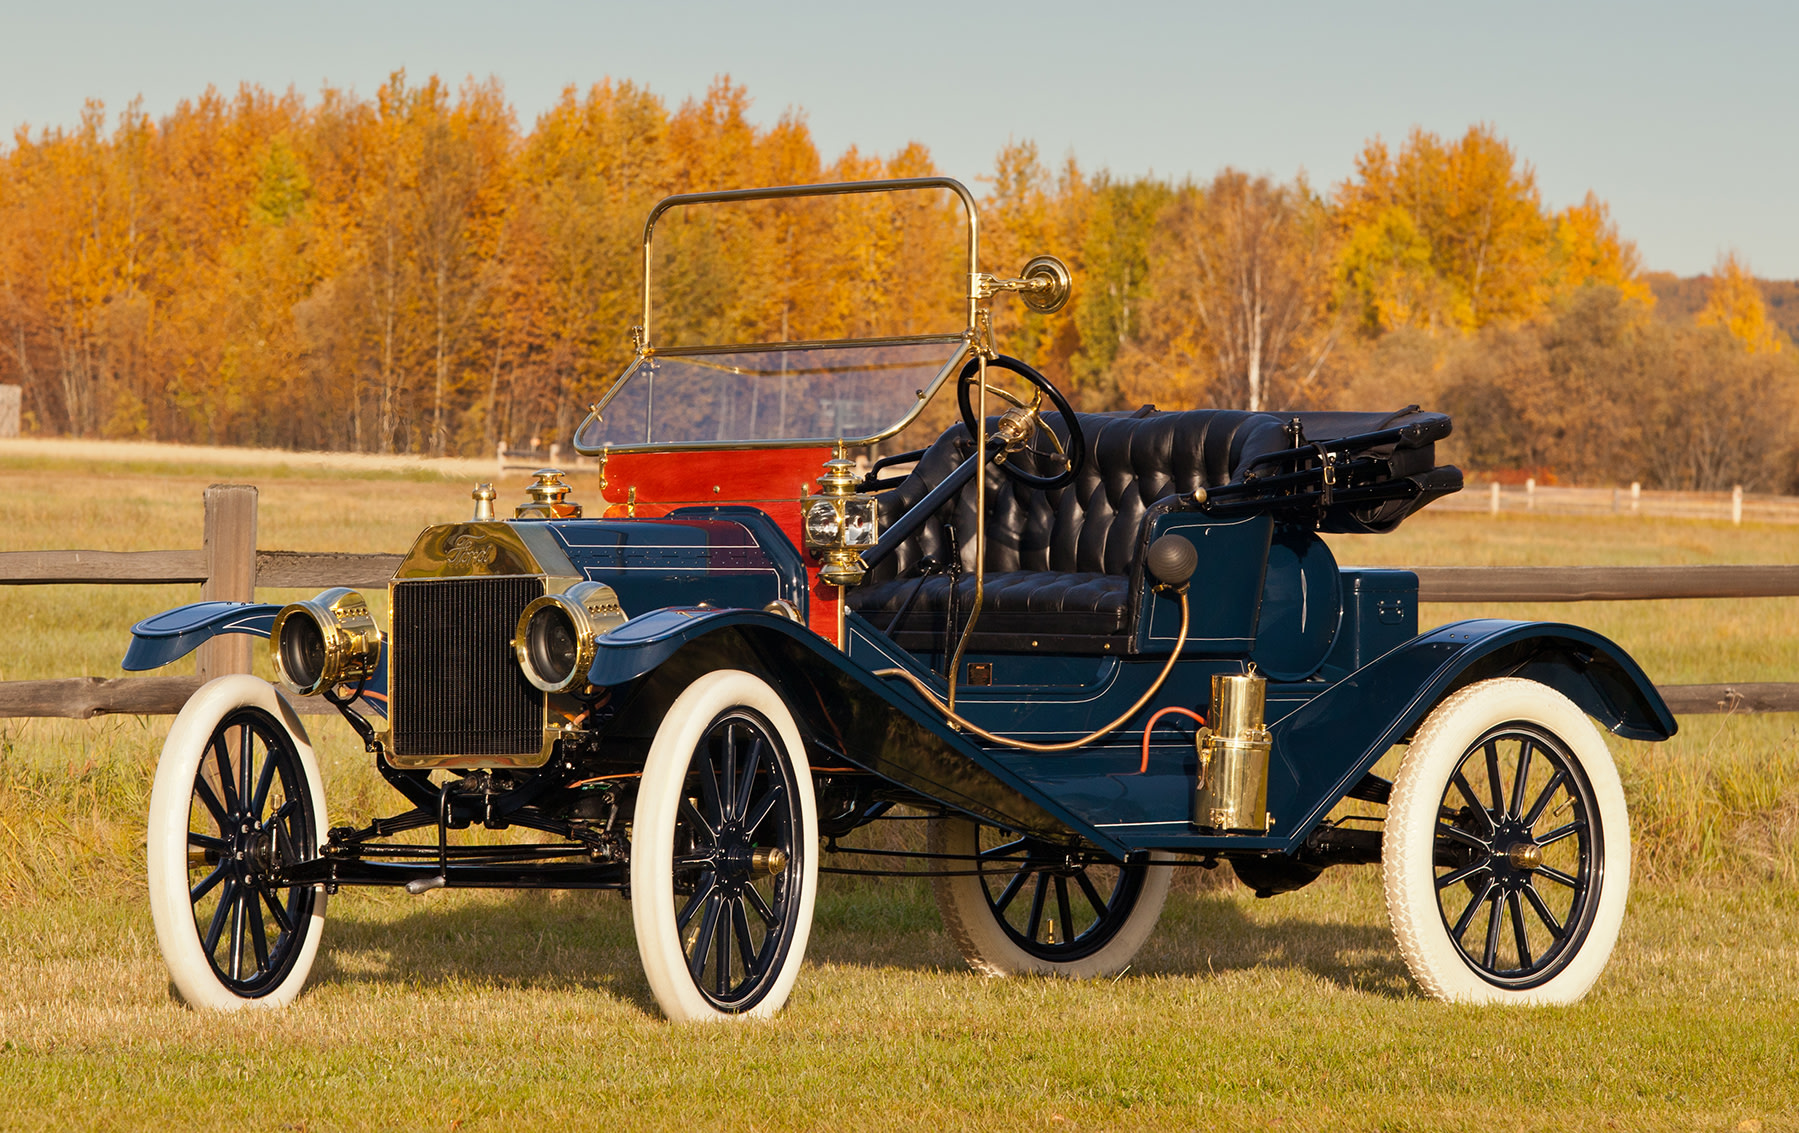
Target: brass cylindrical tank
(1230,792)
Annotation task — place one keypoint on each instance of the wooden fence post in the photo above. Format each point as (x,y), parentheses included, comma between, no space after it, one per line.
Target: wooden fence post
(230,551)
(1493,499)
(1736,505)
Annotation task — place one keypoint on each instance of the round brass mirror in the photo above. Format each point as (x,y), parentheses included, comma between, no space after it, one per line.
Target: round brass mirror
(1052,284)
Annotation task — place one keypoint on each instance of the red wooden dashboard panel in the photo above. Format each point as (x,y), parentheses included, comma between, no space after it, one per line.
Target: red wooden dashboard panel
(654,483)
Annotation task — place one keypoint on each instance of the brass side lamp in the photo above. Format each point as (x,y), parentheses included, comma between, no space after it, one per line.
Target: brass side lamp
(840,523)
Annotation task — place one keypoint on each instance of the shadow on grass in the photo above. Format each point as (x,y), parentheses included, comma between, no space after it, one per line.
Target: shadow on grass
(1213,932)
(895,925)
(532,940)
(583,941)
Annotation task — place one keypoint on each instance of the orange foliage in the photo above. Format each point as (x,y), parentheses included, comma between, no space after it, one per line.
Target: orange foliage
(417,272)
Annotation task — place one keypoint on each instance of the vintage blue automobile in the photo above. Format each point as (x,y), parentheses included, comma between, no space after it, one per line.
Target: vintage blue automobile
(1089,648)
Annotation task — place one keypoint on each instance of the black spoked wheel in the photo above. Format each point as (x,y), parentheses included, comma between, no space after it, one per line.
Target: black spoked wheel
(1517,862)
(1029,905)
(236,804)
(251,816)
(1506,854)
(1057,903)
(736,872)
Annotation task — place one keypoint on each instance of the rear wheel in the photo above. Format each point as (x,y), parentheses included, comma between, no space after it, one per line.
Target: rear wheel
(1506,856)
(1030,907)
(237,798)
(724,865)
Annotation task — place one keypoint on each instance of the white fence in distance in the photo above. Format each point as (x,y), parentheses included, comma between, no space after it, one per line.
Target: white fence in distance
(1735,506)
(10,400)
(531,459)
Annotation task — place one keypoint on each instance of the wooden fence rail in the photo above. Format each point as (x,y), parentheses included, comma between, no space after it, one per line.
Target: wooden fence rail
(230,567)
(291,569)
(1603,583)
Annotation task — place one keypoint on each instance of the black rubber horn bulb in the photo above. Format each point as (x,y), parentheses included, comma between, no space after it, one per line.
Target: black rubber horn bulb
(1172,559)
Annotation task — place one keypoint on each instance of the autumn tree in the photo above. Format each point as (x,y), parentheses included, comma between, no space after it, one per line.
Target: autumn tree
(1444,234)
(1735,303)
(1242,314)
(412,272)
(1117,226)
(1604,392)
(586,177)
(1588,250)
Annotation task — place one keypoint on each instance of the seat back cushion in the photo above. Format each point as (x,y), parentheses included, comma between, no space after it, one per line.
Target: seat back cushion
(1092,525)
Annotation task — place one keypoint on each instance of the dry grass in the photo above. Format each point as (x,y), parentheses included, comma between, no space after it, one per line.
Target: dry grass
(478,1010)
(491,1011)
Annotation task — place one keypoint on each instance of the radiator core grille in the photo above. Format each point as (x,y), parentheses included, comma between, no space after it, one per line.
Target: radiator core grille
(455,683)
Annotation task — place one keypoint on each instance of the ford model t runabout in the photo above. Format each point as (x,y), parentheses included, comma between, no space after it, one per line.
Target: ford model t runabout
(1088,647)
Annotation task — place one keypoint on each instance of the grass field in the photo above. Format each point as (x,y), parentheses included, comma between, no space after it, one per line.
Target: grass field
(477,1010)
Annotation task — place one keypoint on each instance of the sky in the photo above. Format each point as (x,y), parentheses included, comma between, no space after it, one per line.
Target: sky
(1680,116)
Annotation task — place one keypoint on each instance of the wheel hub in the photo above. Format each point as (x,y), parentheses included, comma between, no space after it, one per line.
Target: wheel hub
(1514,855)
(1525,855)
(740,861)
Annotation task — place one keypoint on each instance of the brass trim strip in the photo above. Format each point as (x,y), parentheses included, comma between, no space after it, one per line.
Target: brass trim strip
(834,188)
(943,339)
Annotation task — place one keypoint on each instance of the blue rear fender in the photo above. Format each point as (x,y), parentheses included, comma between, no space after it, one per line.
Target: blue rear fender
(1326,745)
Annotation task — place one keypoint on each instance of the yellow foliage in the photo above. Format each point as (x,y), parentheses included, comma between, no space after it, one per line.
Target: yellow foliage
(1454,235)
(1386,274)
(1589,250)
(1735,303)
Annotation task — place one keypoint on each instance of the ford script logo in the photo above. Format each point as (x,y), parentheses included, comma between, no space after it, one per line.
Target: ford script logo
(471,550)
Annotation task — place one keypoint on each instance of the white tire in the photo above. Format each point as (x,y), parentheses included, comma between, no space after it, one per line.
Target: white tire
(226,947)
(725,815)
(1084,916)
(1506,854)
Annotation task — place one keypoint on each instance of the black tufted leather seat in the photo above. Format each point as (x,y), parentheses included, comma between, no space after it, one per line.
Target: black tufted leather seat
(1062,565)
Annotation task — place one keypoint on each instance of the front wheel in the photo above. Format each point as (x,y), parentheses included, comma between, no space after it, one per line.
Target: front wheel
(1017,905)
(237,799)
(724,863)
(1506,856)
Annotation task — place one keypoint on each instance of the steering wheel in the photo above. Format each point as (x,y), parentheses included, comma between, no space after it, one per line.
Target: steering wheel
(1072,456)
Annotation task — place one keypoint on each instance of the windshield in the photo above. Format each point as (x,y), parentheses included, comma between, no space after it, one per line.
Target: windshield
(857,392)
(795,314)
(868,264)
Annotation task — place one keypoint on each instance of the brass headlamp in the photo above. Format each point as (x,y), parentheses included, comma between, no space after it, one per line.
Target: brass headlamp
(840,523)
(327,641)
(558,634)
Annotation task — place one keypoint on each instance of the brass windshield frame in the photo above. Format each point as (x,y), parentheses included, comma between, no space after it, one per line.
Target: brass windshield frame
(963,345)
(646,350)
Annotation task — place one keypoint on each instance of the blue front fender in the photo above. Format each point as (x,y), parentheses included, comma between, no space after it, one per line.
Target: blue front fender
(1324,747)
(852,716)
(173,634)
